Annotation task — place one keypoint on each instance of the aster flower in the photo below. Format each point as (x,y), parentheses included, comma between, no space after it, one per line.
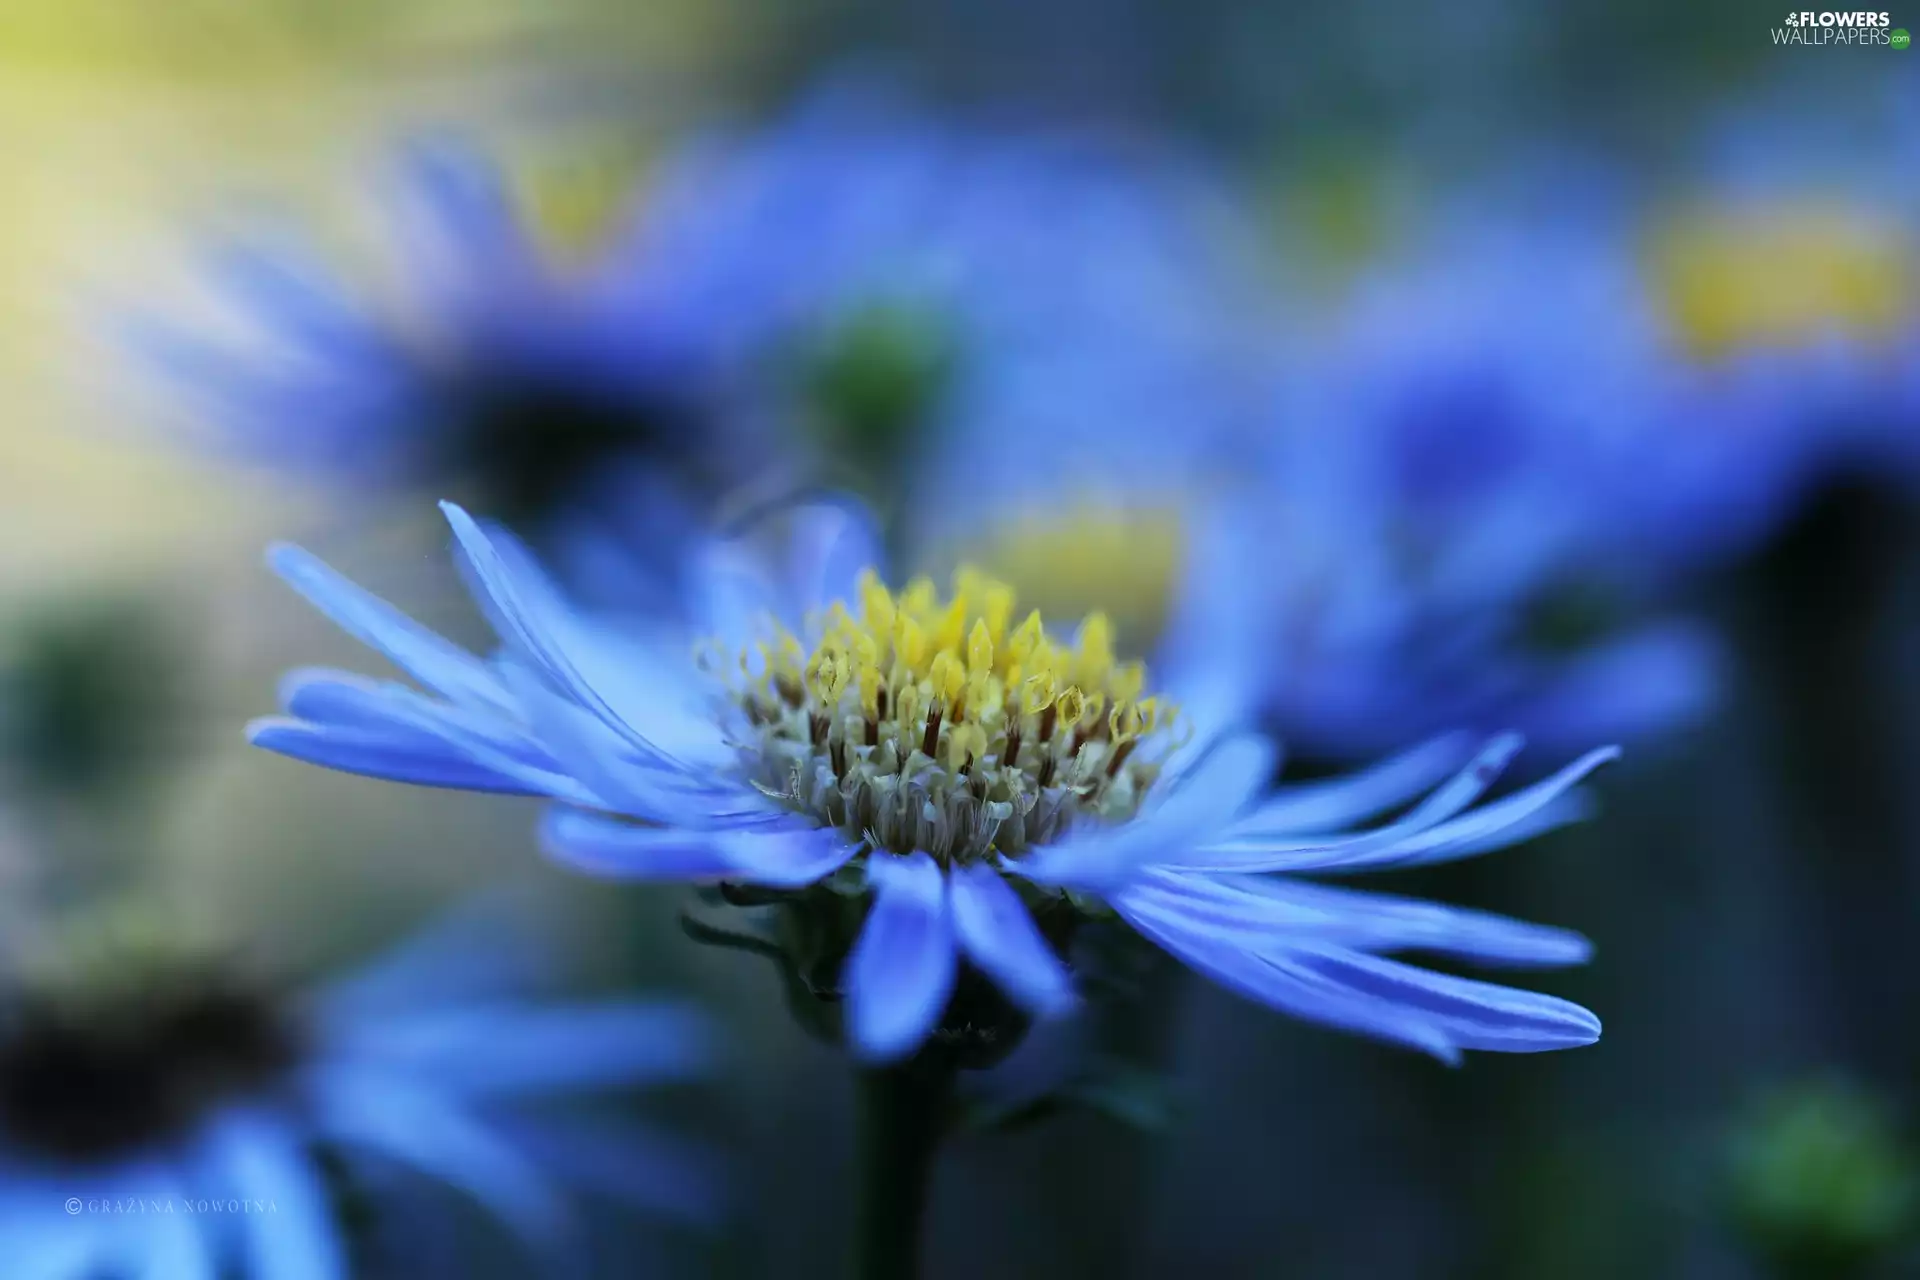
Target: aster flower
(933,789)
(1779,270)
(163,1110)
(932,318)
(494,367)
(1465,534)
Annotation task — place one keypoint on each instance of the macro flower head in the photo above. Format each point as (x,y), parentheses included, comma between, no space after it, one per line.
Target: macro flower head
(924,784)
(166,1110)
(486,365)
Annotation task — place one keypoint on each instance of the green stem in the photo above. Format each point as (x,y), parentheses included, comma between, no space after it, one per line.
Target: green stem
(902,1117)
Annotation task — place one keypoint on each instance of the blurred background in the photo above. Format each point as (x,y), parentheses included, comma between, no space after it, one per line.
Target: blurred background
(1562,362)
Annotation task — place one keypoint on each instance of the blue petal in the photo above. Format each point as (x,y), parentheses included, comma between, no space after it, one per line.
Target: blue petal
(462,223)
(1285,912)
(1211,659)
(489,946)
(730,593)
(775,856)
(42,1242)
(263,1161)
(1198,803)
(612,770)
(517,1050)
(1219,786)
(435,662)
(998,934)
(1492,826)
(172,1245)
(831,544)
(424,727)
(1475,1015)
(631,1164)
(381,755)
(787,857)
(610,848)
(902,968)
(419,1128)
(1280,984)
(298,302)
(1343,802)
(1422,835)
(530,615)
(1655,679)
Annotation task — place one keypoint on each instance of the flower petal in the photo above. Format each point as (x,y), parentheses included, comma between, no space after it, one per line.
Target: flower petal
(1224,958)
(778,857)
(612,771)
(435,662)
(1211,657)
(997,933)
(608,847)
(1343,802)
(263,1161)
(1423,836)
(517,1050)
(418,1128)
(632,1165)
(1492,826)
(421,762)
(1475,1015)
(530,615)
(1286,911)
(903,967)
(173,1247)
(429,728)
(1200,802)
(831,543)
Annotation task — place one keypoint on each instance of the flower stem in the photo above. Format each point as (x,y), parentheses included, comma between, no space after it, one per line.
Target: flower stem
(902,1117)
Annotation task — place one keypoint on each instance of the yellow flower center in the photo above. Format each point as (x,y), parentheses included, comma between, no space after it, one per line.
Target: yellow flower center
(1737,280)
(945,723)
(1092,552)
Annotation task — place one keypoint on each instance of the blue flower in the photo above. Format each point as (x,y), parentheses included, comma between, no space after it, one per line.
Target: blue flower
(1780,270)
(531,382)
(949,784)
(161,1109)
(929,292)
(1483,496)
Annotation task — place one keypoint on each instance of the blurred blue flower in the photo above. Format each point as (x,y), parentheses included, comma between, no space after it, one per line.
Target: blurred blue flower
(930,294)
(940,784)
(163,1112)
(1483,485)
(492,367)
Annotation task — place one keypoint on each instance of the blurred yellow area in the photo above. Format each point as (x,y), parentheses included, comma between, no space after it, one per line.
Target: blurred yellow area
(1739,279)
(131,129)
(1091,554)
(129,124)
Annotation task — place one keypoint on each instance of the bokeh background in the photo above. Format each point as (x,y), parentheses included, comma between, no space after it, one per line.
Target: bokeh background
(1520,335)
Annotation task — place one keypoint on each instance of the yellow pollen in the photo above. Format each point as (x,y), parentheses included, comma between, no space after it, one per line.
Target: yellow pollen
(1036,693)
(910,644)
(980,649)
(946,676)
(1090,549)
(970,738)
(1072,707)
